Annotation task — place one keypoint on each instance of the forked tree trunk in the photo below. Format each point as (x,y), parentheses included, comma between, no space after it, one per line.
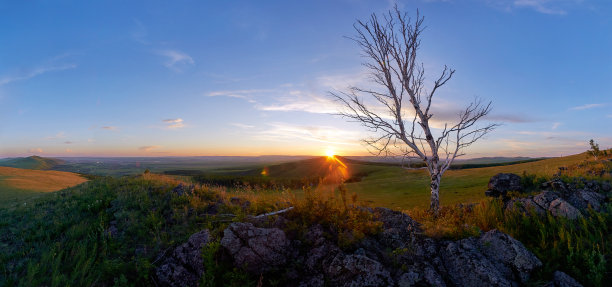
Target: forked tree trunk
(434,205)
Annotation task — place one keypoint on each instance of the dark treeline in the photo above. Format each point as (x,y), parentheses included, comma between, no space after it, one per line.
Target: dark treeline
(247,180)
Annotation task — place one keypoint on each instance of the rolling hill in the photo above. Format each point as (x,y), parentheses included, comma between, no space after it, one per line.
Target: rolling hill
(17,183)
(389,185)
(32,162)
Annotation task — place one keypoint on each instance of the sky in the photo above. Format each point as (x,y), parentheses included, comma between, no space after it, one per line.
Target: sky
(195,78)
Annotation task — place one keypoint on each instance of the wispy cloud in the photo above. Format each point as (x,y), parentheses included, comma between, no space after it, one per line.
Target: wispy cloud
(511,118)
(247,95)
(110,128)
(297,101)
(550,7)
(56,136)
(324,134)
(174,123)
(148,148)
(68,142)
(242,126)
(139,32)
(176,60)
(586,107)
(35,150)
(542,6)
(34,72)
(555,125)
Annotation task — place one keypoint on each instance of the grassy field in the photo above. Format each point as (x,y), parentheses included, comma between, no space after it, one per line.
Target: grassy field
(32,162)
(17,183)
(399,188)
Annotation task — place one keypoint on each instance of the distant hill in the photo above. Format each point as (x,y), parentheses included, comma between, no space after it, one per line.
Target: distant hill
(32,162)
(17,183)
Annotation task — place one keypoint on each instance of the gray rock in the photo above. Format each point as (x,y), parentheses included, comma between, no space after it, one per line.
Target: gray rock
(357,270)
(182,189)
(256,249)
(501,183)
(552,201)
(524,205)
(545,198)
(420,274)
(494,259)
(398,227)
(408,279)
(184,267)
(509,255)
(560,207)
(317,255)
(315,235)
(563,280)
(466,266)
(582,199)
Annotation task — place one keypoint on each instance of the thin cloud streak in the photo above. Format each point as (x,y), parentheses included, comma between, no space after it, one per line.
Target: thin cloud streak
(176,59)
(542,6)
(586,107)
(174,123)
(324,134)
(148,148)
(242,126)
(56,136)
(36,72)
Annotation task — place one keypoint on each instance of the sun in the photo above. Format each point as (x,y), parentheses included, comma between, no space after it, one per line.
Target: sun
(330,153)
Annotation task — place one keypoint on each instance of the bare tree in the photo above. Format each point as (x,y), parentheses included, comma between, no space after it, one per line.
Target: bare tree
(399,115)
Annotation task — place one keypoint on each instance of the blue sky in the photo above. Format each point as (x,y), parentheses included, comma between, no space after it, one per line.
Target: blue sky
(165,78)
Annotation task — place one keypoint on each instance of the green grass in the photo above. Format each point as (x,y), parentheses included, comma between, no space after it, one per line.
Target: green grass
(32,162)
(18,184)
(399,188)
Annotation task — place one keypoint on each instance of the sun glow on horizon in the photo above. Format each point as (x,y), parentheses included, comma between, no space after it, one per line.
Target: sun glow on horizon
(330,153)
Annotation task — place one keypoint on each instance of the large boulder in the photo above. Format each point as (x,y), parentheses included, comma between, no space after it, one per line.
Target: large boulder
(509,255)
(552,201)
(494,259)
(398,227)
(525,205)
(357,270)
(501,183)
(184,266)
(256,249)
(582,199)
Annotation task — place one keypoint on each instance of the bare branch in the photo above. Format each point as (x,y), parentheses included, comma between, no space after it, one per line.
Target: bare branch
(391,44)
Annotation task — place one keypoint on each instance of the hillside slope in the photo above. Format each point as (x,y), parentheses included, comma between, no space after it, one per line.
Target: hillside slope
(395,187)
(32,162)
(17,183)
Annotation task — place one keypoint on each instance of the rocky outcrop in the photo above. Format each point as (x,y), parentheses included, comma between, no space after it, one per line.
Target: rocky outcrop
(546,201)
(571,200)
(182,189)
(561,279)
(501,183)
(356,270)
(509,255)
(494,259)
(256,249)
(398,256)
(582,199)
(184,266)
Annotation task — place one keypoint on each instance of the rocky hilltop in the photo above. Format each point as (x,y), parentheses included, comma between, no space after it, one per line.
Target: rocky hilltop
(399,255)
